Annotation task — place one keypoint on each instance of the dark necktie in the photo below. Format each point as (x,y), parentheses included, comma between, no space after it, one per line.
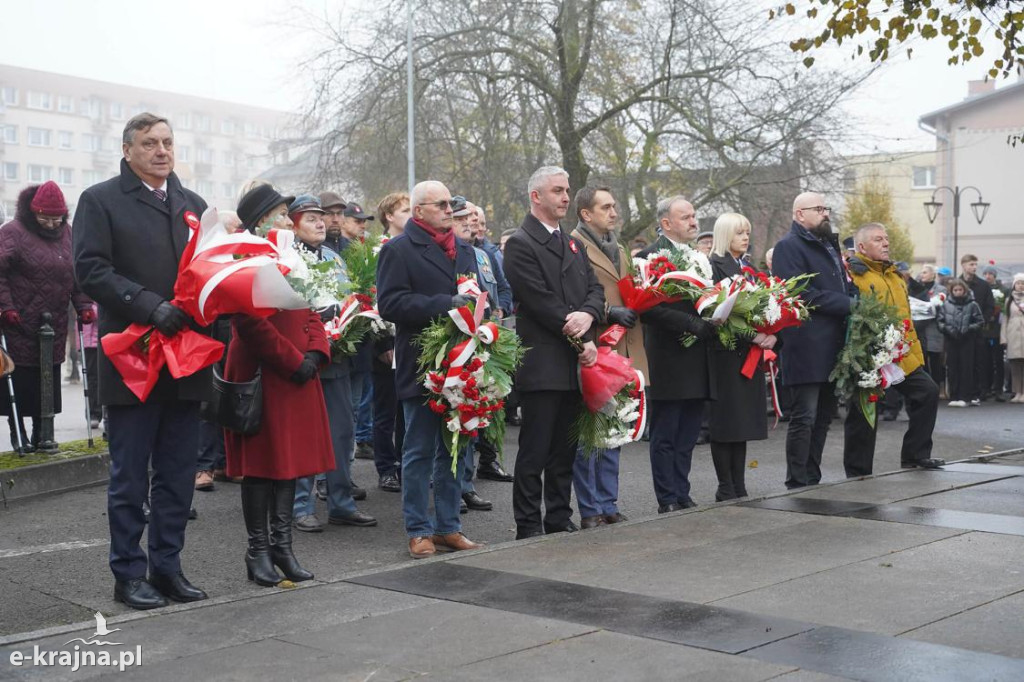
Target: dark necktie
(160,195)
(556,234)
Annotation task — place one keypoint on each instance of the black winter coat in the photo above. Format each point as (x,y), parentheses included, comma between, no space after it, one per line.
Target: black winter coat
(959,317)
(127,244)
(550,280)
(677,373)
(415,285)
(809,352)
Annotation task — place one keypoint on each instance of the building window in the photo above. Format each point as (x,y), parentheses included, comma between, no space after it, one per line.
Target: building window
(204,124)
(66,176)
(924,177)
(182,153)
(9,96)
(204,188)
(183,121)
(116,111)
(38,137)
(90,107)
(227,127)
(65,139)
(229,158)
(114,143)
(90,177)
(65,104)
(10,171)
(205,155)
(10,134)
(39,100)
(251,130)
(91,143)
(39,173)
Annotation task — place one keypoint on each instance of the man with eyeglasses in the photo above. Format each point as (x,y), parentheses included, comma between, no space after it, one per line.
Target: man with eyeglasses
(809,352)
(416,283)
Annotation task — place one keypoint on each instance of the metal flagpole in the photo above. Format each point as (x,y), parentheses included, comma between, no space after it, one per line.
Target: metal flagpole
(410,104)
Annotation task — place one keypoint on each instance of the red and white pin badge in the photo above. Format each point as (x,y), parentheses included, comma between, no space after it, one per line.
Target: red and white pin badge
(572,247)
(191,220)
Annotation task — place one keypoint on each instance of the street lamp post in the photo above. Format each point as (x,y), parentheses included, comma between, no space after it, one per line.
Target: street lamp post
(410,98)
(979,208)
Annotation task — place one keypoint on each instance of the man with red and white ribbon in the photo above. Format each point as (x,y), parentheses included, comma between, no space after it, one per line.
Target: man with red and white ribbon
(682,378)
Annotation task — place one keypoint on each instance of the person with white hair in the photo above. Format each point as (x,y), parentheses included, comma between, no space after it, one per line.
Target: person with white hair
(559,301)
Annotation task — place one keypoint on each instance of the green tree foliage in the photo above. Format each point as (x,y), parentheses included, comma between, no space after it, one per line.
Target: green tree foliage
(872,203)
(885,24)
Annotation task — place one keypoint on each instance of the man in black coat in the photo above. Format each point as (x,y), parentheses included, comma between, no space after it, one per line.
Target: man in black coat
(130,232)
(987,302)
(558,298)
(682,379)
(809,351)
(417,283)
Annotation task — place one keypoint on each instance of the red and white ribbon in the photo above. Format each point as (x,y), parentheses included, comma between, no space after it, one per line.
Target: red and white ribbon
(469,323)
(641,421)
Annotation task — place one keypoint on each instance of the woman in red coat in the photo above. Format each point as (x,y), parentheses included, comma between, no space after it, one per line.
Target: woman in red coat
(294,439)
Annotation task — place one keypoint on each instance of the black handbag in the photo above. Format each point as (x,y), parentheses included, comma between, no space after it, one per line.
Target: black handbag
(235,405)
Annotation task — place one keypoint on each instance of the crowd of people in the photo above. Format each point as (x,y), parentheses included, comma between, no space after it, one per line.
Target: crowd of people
(554,283)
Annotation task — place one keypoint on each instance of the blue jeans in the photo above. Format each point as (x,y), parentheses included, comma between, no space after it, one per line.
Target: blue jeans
(424,456)
(596,480)
(675,425)
(363,402)
(467,468)
(338,399)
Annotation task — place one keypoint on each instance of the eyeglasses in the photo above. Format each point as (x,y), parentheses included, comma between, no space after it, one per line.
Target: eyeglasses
(440,204)
(818,209)
(50,220)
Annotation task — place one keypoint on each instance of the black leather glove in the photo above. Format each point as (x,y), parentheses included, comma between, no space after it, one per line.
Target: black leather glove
(307,370)
(169,319)
(618,314)
(699,327)
(460,300)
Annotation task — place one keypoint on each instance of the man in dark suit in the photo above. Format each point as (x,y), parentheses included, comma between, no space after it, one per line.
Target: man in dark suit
(416,283)
(681,378)
(809,351)
(130,232)
(558,297)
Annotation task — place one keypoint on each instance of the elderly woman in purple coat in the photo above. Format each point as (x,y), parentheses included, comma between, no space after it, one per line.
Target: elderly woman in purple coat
(36,277)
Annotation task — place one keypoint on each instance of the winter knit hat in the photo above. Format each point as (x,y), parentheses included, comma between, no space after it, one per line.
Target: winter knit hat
(1019,277)
(49,200)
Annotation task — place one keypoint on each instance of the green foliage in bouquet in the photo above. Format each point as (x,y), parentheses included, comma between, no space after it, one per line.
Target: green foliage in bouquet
(360,258)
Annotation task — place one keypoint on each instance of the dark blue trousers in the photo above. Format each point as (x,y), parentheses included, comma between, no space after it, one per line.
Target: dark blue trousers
(166,437)
(675,425)
(388,422)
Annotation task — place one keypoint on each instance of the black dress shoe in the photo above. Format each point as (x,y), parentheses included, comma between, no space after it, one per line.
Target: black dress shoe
(356,518)
(617,517)
(138,594)
(666,508)
(476,503)
(933,463)
(513,420)
(358,493)
(492,471)
(592,522)
(889,416)
(687,503)
(176,587)
(389,483)
(569,527)
(522,534)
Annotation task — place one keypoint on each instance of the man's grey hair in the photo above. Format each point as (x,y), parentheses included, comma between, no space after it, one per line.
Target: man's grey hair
(541,175)
(864,230)
(141,122)
(421,190)
(665,205)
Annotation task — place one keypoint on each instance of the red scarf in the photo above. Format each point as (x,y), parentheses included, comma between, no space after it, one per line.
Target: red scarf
(446,239)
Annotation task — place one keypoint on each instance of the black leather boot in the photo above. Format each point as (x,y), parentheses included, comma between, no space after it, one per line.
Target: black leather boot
(721,456)
(281,533)
(257,494)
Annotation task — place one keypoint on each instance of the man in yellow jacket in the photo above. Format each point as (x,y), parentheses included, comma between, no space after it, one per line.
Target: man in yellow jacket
(875,275)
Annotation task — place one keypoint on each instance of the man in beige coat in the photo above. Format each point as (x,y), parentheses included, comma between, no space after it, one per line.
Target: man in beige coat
(596,478)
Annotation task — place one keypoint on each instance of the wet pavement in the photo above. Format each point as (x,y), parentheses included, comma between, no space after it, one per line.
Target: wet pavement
(910,575)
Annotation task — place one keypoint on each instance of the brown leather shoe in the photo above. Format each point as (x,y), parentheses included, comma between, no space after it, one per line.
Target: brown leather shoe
(421,548)
(204,480)
(592,522)
(454,542)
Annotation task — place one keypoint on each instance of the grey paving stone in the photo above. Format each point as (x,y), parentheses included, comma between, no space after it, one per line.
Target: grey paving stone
(21,608)
(442,580)
(808,676)
(809,505)
(987,468)
(195,631)
(436,637)
(718,570)
(613,656)
(945,518)
(997,497)
(871,657)
(994,628)
(901,591)
(905,485)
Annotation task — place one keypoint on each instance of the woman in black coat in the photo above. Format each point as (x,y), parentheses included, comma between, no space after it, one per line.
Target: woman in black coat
(740,413)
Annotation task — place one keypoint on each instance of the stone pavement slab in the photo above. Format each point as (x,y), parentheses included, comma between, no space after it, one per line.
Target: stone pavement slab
(994,627)
(996,497)
(896,487)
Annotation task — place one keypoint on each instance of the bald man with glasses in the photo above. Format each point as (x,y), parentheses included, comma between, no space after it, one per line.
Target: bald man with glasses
(809,352)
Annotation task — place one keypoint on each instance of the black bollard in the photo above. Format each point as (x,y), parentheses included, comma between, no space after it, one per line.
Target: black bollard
(46,441)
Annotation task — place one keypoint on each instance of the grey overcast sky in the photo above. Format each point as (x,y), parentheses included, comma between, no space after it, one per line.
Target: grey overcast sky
(247,51)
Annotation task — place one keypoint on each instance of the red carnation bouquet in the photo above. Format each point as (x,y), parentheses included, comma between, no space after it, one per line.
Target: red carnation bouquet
(467,366)
(613,394)
(349,327)
(219,273)
(668,276)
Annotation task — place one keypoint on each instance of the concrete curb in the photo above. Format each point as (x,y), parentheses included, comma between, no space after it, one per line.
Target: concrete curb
(52,477)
